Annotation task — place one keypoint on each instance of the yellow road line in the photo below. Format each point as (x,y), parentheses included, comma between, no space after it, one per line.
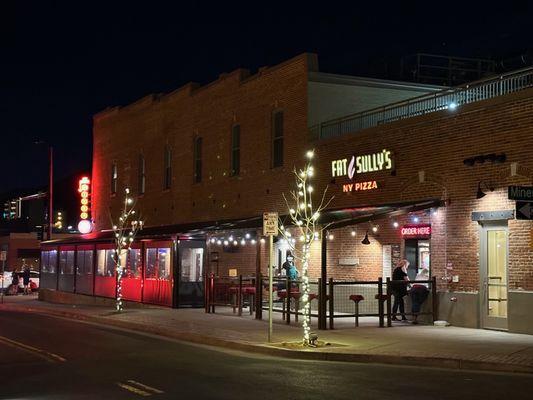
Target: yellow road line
(142,385)
(133,389)
(34,350)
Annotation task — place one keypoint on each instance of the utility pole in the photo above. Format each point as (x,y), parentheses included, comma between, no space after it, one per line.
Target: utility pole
(50,192)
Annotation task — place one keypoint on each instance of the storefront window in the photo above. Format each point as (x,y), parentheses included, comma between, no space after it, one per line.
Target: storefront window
(45,260)
(110,265)
(100,267)
(88,262)
(133,269)
(66,262)
(151,264)
(164,263)
(52,261)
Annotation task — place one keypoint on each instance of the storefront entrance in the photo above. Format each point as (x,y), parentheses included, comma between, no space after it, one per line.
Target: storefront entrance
(191,273)
(418,254)
(493,274)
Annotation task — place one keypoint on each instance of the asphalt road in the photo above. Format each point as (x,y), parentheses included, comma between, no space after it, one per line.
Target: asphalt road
(50,358)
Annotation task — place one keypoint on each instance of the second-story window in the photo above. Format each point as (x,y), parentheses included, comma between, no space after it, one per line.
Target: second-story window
(277,139)
(197,159)
(167,178)
(142,175)
(235,150)
(114,178)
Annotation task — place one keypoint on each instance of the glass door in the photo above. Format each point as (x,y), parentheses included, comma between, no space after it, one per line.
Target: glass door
(191,274)
(493,274)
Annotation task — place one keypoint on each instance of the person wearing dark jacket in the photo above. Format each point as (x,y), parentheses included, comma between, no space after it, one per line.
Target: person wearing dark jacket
(26,279)
(399,284)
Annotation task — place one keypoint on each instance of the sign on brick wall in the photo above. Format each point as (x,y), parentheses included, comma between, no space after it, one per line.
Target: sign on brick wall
(416,231)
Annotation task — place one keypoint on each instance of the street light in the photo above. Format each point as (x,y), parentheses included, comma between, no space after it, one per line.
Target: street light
(50,187)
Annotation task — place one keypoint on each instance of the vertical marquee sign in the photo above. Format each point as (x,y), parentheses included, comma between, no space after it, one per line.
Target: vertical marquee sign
(84,186)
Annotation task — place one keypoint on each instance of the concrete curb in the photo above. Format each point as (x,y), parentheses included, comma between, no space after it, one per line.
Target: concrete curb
(419,361)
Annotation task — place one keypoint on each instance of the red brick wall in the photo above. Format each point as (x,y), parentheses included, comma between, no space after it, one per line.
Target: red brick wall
(436,144)
(150,124)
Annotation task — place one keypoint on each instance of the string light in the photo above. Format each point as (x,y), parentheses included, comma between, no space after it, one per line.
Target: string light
(395,224)
(352,233)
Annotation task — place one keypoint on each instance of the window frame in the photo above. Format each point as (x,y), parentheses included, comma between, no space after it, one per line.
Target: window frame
(114,178)
(197,159)
(277,162)
(141,175)
(167,168)
(235,151)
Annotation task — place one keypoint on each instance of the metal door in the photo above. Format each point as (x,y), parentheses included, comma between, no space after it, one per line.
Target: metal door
(494,256)
(191,273)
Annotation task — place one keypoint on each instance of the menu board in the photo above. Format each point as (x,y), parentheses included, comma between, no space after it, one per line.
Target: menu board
(396,254)
(387,261)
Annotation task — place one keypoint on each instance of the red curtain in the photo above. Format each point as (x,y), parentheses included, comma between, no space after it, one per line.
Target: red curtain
(158,291)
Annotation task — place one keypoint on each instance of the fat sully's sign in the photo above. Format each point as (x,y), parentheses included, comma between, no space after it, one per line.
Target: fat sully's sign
(362,164)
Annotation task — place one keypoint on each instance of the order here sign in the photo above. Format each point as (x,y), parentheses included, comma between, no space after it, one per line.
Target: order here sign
(415,231)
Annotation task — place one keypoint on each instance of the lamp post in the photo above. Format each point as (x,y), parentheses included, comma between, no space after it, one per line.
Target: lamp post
(50,191)
(50,188)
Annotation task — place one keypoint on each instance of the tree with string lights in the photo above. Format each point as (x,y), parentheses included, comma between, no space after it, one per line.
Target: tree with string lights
(124,231)
(304,215)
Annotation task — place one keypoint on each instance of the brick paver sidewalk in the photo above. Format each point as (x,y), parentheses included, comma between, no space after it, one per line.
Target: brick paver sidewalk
(402,344)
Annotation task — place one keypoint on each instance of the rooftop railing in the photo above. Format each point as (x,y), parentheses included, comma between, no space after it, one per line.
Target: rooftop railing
(450,98)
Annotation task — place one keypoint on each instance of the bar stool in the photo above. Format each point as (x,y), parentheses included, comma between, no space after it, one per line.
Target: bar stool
(250,292)
(233,291)
(356,298)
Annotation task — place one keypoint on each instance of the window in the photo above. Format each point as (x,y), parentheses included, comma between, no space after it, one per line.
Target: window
(168,168)
(114,178)
(157,263)
(106,263)
(66,262)
(197,160)
(277,139)
(85,262)
(142,175)
(235,150)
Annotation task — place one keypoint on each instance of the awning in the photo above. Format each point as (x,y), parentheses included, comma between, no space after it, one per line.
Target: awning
(334,218)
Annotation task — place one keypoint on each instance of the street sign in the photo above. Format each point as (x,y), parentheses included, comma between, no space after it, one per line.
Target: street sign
(523,193)
(3,255)
(524,210)
(270,224)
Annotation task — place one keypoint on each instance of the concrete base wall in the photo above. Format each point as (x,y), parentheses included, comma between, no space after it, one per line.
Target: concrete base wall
(54,296)
(463,312)
(520,312)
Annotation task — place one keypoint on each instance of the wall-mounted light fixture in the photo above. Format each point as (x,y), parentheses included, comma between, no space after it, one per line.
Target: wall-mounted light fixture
(480,193)
(365,239)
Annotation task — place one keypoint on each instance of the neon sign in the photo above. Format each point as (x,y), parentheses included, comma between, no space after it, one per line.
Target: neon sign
(414,231)
(84,185)
(355,187)
(362,164)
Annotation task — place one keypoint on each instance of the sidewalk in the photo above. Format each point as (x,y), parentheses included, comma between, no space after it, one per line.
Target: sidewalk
(446,347)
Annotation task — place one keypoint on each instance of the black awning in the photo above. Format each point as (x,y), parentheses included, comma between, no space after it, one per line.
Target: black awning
(335,218)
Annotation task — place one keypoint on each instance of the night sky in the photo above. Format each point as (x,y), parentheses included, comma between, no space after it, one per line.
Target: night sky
(62,62)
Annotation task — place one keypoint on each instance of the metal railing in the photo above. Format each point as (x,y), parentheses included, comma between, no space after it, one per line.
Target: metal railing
(445,99)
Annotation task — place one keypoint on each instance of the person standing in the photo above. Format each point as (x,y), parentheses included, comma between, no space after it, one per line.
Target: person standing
(399,284)
(14,288)
(26,279)
(419,293)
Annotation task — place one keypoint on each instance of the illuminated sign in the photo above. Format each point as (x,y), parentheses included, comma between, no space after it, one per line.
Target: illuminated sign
(355,187)
(362,164)
(84,185)
(414,231)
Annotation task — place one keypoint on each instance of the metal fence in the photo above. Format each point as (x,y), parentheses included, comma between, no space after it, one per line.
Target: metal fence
(340,299)
(444,99)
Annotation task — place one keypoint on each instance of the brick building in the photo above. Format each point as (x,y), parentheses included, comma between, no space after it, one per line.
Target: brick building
(206,162)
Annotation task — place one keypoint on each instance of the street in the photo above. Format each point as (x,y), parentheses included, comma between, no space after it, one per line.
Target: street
(51,358)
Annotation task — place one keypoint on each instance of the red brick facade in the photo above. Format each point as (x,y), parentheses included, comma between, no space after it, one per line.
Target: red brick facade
(428,154)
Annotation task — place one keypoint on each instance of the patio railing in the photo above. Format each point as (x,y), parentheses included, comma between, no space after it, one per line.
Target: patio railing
(445,99)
